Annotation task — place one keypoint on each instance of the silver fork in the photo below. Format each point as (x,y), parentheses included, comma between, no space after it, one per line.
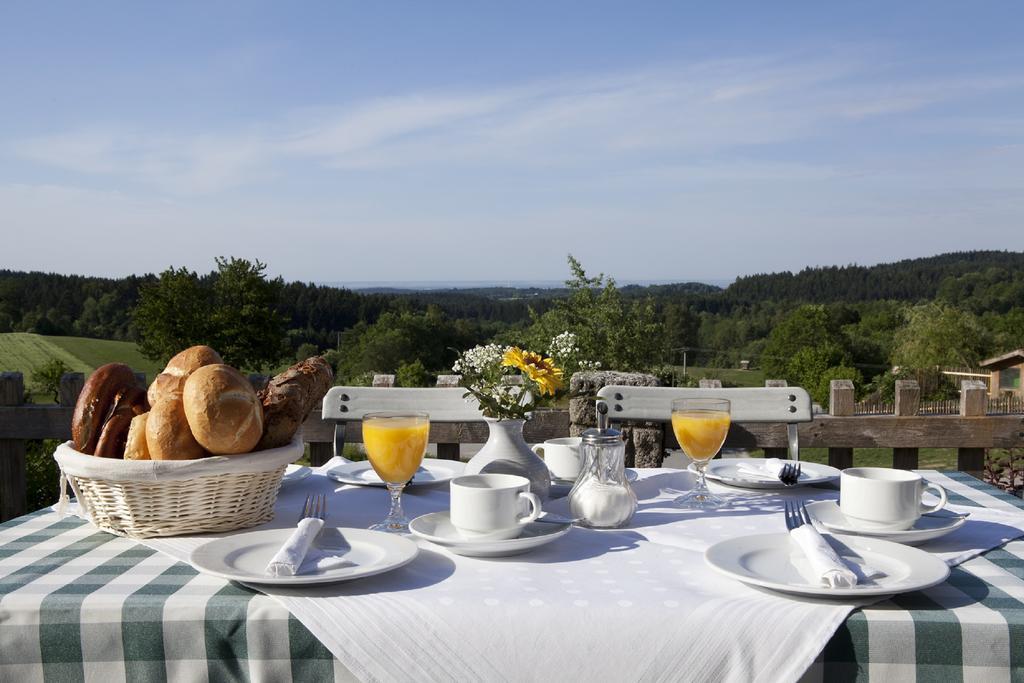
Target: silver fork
(315,507)
(790,474)
(796,515)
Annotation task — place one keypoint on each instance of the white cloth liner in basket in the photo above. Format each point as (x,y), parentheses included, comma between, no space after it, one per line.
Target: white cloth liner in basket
(144,498)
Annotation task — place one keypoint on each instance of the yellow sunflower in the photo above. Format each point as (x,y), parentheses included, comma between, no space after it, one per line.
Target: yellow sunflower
(541,370)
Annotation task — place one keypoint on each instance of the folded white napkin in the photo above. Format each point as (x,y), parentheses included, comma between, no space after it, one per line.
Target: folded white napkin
(768,470)
(298,556)
(825,563)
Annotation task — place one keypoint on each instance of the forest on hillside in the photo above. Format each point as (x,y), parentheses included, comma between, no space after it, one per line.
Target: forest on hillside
(822,322)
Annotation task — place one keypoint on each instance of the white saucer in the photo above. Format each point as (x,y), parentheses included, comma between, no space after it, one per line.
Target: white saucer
(726,471)
(294,473)
(432,471)
(437,527)
(927,527)
(244,556)
(773,561)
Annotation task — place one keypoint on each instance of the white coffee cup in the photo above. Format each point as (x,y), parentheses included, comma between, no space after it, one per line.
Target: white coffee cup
(562,456)
(492,507)
(885,499)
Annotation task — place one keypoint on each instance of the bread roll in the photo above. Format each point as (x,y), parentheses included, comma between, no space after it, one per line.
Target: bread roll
(288,398)
(165,385)
(171,381)
(168,436)
(137,447)
(222,409)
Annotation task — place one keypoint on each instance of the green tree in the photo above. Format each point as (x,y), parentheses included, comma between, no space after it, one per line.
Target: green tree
(46,378)
(809,349)
(400,337)
(305,351)
(938,336)
(814,368)
(809,326)
(412,375)
(1007,330)
(233,310)
(616,332)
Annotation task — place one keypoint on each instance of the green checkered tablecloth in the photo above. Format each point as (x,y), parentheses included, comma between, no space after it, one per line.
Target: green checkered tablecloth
(80,604)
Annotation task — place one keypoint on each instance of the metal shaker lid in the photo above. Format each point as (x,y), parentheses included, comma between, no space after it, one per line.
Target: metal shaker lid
(603,434)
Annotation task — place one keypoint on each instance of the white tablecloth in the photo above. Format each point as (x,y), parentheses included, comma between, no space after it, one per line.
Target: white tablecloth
(631,604)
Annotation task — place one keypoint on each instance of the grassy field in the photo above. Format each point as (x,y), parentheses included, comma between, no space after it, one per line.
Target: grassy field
(23,352)
(928,458)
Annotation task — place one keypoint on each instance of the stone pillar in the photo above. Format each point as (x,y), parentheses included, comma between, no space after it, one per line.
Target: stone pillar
(386,381)
(706,383)
(448,380)
(645,441)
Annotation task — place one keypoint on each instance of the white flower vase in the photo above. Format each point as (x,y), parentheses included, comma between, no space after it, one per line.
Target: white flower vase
(506,452)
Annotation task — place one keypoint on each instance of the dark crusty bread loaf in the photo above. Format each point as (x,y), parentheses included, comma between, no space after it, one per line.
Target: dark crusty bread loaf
(289,397)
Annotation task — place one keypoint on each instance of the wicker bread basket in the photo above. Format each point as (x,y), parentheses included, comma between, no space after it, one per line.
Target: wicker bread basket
(146,498)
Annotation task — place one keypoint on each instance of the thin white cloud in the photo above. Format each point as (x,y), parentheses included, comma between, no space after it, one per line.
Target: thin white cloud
(703,113)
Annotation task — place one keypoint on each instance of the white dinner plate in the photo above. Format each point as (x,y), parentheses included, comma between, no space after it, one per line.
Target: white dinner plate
(244,556)
(774,561)
(294,473)
(927,527)
(432,471)
(726,471)
(437,528)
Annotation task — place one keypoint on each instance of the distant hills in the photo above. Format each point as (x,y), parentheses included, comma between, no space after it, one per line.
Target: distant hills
(54,304)
(907,280)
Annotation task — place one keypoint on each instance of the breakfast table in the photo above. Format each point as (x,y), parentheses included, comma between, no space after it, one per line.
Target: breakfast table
(637,603)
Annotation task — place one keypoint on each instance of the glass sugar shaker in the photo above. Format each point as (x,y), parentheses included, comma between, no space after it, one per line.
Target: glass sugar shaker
(601,497)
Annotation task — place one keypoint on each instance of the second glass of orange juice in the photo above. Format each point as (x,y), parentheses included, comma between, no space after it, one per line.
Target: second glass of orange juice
(700,426)
(395,444)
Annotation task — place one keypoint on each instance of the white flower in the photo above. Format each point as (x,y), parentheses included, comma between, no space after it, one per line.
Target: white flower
(477,359)
(563,345)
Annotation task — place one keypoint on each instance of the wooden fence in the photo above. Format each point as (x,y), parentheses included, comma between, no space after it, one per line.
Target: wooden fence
(1000,405)
(970,431)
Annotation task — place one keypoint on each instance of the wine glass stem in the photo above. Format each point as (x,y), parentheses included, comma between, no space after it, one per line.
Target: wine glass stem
(396,501)
(701,481)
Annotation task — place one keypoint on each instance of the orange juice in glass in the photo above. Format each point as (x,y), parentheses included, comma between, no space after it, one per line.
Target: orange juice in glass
(700,426)
(395,444)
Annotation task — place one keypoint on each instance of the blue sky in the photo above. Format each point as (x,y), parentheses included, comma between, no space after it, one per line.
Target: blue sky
(444,141)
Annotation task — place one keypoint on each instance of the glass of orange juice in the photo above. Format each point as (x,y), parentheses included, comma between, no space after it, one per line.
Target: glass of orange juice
(395,444)
(700,426)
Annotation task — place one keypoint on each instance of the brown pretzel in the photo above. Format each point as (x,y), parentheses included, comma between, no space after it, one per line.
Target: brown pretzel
(110,391)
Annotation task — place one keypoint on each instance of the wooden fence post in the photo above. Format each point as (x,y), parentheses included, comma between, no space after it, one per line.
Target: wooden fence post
(448,451)
(71,384)
(840,404)
(908,402)
(776,452)
(973,403)
(13,484)
(706,383)
(319,453)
